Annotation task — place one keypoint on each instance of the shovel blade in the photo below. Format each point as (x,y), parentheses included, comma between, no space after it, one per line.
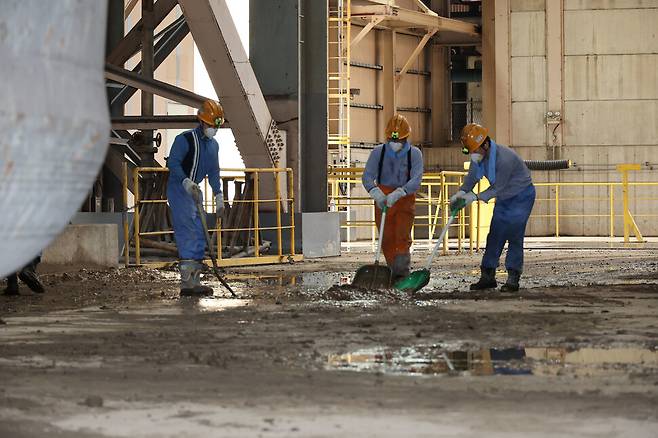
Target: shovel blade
(414,281)
(373,277)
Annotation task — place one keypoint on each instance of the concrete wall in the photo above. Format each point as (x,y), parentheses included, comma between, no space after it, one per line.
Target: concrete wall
(87,245)
(596,62)
(367,125)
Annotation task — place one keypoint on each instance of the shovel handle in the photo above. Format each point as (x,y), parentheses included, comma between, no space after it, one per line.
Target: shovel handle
(381,234)
(453,215)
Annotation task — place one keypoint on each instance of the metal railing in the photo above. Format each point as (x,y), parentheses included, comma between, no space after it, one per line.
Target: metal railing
(433,199)
(432,206)
(244,214)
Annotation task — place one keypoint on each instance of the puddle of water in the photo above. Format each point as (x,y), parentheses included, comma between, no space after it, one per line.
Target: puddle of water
(38,361)
(437,360)
(220,304)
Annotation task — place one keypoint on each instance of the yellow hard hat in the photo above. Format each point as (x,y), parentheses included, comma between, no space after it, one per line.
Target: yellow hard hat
(211,113)
(398,128)
(473,135)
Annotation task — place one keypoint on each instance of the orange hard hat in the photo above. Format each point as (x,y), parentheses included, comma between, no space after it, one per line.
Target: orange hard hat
(398,128)
(473,135)
(211,113)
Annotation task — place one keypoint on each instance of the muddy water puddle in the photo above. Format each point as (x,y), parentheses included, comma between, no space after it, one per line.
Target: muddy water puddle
(434,360)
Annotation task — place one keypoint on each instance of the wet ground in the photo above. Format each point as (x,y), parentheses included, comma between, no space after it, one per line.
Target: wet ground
(116,353)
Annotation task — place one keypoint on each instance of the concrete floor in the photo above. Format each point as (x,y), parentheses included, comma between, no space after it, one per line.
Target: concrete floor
(116,354)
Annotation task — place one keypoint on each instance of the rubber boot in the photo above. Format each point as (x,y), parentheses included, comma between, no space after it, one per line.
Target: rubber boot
(187,269)
(512,283)
(12,286)
(400,267)
(487,279)
(28,275)
(199,288)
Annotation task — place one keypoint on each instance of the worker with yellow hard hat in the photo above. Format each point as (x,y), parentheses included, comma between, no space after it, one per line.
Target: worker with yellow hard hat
(193,156)
(511,185)
(392,177)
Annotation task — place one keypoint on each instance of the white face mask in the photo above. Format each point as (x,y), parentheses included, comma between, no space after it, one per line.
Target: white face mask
(476,158)
(210,132)
(396,146)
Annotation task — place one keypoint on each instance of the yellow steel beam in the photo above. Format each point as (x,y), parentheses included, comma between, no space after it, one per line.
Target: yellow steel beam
(413,56)
(361,35)
(399,17)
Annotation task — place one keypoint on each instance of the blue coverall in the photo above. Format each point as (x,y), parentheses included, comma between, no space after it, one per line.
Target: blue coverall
(193,155)
(512,187)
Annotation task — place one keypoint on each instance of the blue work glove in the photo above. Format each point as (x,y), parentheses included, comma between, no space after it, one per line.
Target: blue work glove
(192,189)
(219,204)
(395,196)
(378,196)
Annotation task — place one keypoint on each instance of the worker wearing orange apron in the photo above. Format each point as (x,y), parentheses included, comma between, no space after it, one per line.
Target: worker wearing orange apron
(392,177)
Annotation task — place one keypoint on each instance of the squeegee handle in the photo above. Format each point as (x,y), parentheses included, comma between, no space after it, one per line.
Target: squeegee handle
(381,234)
(211,250)
(453,215)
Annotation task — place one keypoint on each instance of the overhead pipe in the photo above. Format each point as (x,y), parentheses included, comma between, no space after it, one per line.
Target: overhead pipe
(54,119)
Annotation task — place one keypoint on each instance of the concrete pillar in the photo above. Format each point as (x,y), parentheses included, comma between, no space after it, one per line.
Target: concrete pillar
(496,92)
(554,63)
(439,58)
(488,66)
(503,133)
(313,108)
(386,86)
(274,56)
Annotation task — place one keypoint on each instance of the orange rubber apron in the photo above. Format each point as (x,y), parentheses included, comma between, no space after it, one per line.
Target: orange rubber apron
(399,220)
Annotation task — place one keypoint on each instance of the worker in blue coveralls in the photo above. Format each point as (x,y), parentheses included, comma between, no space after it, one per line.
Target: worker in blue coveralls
(392,177)
(511,185)
(194,155)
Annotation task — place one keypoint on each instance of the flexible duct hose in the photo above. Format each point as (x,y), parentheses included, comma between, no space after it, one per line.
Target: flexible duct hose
(548,164)
(54,120)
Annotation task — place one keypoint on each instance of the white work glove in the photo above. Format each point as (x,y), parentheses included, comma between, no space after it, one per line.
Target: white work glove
(192,189)
(395,196)
(219,203)
(468,199)
(456,196)
(378,196)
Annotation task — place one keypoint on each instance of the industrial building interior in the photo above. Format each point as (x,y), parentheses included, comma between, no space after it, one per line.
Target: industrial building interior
(99,336)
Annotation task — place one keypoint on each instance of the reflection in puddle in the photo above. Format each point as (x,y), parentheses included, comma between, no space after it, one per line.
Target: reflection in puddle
(435,360)
(219,304)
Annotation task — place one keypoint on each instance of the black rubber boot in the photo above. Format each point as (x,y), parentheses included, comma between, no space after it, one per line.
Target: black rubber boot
(190,275)
(400,267)
(28,275)
(512,284)
(12,286)
(487,280)
(201,289)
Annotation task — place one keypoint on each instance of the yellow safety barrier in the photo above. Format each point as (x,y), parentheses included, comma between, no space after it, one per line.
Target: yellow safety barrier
(437,187)
(251,199)
(346,195)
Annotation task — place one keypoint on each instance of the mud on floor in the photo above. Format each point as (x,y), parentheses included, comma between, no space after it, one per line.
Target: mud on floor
(116,353)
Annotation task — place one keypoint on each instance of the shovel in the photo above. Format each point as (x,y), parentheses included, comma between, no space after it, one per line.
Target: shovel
(419,279)
(211,250)
(375,276)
